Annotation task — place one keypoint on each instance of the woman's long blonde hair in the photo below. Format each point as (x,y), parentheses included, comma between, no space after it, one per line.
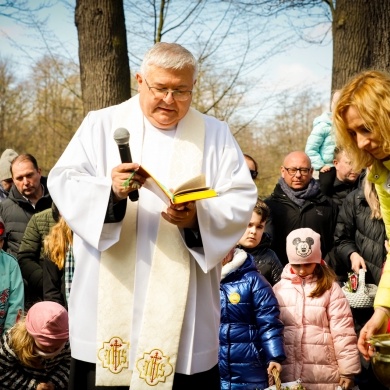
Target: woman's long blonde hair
(57,242)
(372,198)
(369,93)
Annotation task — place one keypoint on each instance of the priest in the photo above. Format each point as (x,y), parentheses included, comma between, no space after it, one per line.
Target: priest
(144,301)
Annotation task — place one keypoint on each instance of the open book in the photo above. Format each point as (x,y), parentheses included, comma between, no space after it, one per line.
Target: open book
(193,189)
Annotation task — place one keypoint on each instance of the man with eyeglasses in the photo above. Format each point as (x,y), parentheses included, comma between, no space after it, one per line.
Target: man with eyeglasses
(144,302)
(297,202)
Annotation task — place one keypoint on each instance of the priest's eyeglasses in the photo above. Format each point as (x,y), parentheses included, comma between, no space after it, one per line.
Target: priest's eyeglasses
(162,93)
(293,171)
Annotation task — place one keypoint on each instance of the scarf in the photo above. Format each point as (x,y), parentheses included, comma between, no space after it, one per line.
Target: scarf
(300,197)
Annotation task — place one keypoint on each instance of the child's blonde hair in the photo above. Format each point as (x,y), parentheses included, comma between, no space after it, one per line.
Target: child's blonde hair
(23,345)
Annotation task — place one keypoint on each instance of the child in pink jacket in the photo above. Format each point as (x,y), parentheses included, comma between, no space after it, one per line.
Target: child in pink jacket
(320,341)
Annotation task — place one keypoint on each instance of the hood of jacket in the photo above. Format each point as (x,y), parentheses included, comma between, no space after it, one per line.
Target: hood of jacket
(242,263)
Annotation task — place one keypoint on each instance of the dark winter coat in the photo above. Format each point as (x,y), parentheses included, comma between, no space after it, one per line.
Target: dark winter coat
(266,260)
(357,232)
(251,334)
(30,255)
(317,213)
(54,283)
(16,211)
(335,189)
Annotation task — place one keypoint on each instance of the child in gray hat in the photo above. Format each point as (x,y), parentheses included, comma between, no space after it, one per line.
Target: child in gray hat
(5,172)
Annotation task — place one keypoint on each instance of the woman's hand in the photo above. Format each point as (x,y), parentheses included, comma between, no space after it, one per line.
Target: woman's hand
(377,324)
(357,262)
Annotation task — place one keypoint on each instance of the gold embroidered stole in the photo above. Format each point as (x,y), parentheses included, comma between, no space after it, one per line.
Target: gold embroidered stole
(167,290)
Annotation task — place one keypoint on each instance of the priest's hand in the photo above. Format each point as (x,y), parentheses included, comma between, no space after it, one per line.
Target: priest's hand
(125,179)
(182,215)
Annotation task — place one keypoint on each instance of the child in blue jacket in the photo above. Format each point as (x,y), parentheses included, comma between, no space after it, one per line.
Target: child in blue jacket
(11,287)
(251,333)
(321,143)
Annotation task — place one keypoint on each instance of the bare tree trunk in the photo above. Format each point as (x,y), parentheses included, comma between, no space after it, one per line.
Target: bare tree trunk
(361,33)
(104,63)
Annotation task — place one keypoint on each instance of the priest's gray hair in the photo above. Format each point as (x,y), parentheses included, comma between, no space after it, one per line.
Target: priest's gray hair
(169,56)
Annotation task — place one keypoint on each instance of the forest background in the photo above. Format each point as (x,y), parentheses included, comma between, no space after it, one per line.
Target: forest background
(51,83)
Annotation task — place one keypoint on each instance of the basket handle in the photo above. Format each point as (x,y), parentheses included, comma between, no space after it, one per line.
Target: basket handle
(278,382)
(362,279)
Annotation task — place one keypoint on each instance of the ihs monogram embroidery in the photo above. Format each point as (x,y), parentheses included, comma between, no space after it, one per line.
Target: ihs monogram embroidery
(154,367)
(113,355)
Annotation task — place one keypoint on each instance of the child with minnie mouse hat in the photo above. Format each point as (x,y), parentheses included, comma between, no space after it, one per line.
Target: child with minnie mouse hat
(320,340)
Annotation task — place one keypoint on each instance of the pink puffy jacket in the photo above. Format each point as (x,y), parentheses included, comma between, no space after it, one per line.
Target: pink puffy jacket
(320,341)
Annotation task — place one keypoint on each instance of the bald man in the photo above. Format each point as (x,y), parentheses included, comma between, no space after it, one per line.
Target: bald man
(297,202)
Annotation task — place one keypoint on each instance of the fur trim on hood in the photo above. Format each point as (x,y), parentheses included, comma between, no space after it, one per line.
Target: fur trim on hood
(238,260)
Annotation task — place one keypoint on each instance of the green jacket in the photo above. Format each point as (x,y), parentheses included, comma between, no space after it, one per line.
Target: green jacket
(30,255)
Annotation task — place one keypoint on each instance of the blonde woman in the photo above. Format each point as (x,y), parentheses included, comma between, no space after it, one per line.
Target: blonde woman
(360,234)
(58,265)
(362,127)
(360,238)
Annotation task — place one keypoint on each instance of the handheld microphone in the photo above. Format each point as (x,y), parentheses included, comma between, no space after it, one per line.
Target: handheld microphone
(122,137)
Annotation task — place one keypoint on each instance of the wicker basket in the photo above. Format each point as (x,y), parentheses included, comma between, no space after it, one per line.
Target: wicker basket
(296,385)
(364,295)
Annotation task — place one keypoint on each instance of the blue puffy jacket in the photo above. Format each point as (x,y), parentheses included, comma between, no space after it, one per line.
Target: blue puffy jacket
(251,334)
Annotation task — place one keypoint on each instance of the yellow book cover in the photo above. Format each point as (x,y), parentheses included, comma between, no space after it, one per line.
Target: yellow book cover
(191,190)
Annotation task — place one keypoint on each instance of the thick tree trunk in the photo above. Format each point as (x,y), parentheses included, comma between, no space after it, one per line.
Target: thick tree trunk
(361,33)
(104,62)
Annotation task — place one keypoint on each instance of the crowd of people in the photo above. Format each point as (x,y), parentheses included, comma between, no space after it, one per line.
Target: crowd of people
(104,289)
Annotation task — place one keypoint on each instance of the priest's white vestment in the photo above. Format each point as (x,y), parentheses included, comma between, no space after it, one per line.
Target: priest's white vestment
(80,185)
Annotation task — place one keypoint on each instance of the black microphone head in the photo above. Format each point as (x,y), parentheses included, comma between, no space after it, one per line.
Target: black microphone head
(121,136)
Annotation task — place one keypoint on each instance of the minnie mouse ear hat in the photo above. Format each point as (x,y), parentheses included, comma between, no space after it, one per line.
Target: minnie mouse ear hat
(47,322)
(2,229)
(303,246)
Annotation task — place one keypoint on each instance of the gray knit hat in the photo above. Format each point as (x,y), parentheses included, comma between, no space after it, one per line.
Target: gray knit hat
(5,164)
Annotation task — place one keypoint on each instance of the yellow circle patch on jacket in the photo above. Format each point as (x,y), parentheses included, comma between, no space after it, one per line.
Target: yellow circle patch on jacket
(234,298)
